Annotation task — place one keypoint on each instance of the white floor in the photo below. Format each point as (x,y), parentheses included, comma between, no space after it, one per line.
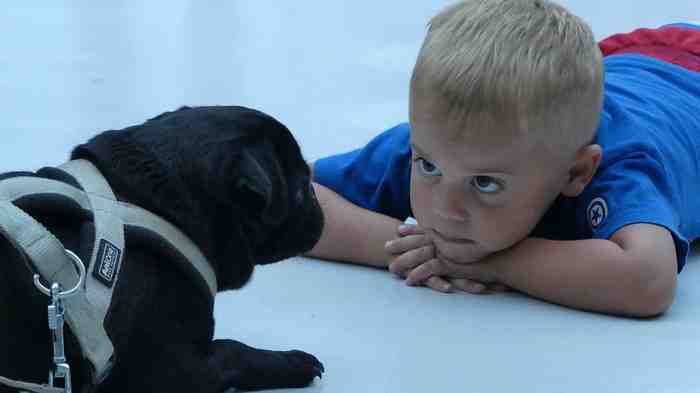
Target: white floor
(336,73)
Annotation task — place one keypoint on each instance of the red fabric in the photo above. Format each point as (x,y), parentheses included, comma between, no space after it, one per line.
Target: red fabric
(675,45)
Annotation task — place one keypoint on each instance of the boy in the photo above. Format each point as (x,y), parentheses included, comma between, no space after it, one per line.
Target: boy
(529,167)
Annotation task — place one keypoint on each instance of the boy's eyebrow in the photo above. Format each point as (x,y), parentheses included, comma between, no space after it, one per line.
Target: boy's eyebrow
(493,171)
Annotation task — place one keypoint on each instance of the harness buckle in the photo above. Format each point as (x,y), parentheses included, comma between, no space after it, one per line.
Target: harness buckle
(56,314)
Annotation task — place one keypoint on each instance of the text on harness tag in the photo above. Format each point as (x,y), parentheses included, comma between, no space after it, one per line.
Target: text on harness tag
(107,263)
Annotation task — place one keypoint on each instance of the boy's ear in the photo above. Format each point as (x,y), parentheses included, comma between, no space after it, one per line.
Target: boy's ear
(584,167)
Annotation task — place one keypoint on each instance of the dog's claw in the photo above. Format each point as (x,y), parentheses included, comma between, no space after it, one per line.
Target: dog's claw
(318,371)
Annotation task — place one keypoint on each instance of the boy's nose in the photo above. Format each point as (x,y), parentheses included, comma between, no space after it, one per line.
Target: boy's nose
(449,203)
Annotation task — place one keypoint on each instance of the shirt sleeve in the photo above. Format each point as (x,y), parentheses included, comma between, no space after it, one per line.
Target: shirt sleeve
(631,190)
(376,177)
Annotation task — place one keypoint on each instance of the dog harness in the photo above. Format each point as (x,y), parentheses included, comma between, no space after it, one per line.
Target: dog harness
(85,310)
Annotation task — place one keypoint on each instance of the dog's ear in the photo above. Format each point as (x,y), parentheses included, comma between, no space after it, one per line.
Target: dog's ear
(234,189)
(252,177)
(260,185)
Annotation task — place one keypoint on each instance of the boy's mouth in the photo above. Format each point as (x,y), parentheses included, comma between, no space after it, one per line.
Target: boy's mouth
(452,239)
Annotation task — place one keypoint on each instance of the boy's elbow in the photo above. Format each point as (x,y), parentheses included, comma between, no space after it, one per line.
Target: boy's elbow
(653,303)
(655,291)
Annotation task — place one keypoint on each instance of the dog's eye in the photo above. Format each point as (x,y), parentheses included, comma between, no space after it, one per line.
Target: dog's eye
(299,196)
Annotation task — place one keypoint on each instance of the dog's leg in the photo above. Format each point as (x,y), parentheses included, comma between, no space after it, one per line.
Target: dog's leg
(226,364)
(162,327)
(244,367)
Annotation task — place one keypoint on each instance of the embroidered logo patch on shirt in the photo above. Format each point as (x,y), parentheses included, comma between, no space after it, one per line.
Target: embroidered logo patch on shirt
(597,212)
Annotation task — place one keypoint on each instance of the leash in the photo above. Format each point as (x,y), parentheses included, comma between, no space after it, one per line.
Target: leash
(56,313)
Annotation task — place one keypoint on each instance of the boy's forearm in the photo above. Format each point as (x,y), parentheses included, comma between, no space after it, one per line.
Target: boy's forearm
(351,233)
(591,274)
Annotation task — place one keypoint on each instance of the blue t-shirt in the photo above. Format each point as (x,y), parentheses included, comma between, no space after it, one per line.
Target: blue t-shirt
(650,170)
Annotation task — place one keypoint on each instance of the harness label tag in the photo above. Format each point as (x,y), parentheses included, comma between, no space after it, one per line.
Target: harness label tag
(107,263)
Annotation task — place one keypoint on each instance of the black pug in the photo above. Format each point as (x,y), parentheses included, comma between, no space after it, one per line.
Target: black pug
(233,179)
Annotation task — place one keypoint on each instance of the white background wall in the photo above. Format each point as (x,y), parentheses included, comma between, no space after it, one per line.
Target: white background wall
(333,68)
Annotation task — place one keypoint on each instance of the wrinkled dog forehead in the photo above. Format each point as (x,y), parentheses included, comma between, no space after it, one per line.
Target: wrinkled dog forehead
(253,140)
(224,122)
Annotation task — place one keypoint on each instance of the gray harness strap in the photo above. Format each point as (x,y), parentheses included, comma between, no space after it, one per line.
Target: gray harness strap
(29,387)
(109,212)
(105,260)
(86,310)
(139,217)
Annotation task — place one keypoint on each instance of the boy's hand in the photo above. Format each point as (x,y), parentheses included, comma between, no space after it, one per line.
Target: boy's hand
(413,251)
(477,277)
(413,248)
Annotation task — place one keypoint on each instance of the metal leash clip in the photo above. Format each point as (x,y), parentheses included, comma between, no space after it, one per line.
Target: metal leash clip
(61,369)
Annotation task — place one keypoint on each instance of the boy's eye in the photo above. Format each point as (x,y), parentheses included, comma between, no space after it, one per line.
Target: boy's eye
(486,184)
(427,168)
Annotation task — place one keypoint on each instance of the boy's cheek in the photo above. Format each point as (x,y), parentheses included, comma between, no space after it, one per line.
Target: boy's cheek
(500,233)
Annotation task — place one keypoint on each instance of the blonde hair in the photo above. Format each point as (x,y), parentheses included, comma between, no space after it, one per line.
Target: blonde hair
(528,66)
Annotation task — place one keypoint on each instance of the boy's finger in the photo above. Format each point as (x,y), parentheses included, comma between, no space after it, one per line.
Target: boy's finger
(409,229)
(438,284)
(468,285)
(423,272)
(411,259)
(405,244)
(396,268)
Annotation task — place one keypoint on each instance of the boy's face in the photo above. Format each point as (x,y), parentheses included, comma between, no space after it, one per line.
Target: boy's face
(476,195)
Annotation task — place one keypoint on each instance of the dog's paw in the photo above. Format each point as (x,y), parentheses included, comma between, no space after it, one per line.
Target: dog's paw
(255,369)
(280,369)
(306,363)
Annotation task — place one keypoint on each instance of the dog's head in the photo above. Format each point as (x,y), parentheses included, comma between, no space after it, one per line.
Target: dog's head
(232,178)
